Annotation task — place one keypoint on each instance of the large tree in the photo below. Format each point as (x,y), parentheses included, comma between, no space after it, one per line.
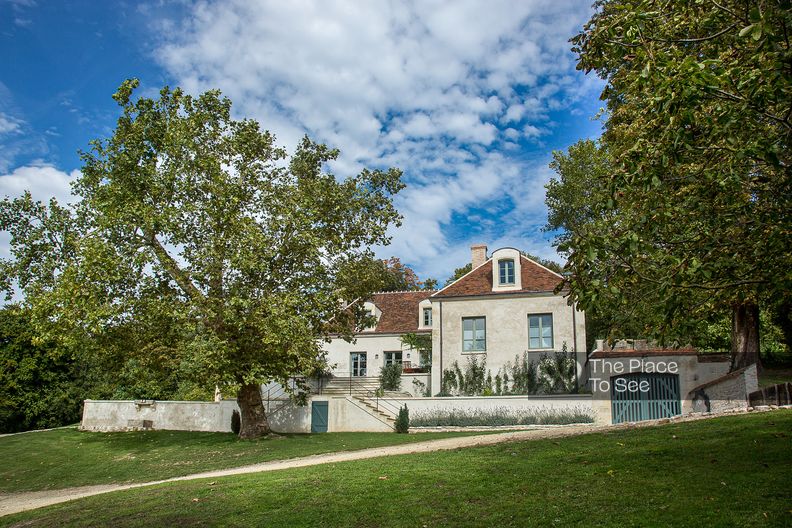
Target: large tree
(189,216)
(697,201)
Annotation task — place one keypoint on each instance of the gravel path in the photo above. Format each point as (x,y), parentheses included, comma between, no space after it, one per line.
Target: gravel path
(18,502)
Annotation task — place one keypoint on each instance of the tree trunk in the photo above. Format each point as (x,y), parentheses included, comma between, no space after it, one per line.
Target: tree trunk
(251,409)
(745,335)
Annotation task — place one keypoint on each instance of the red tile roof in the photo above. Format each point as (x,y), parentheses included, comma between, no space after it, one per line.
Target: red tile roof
(399,311)
(535,278)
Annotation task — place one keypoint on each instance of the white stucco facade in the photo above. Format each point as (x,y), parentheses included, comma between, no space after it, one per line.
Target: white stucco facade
(375,346)
(506,330)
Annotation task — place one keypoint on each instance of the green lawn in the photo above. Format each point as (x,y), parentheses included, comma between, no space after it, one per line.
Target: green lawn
(64,458)
(731,471)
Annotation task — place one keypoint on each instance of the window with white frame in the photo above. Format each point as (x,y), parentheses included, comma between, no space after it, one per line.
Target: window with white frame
(474,334)
(540,331)
(393,357)
(427,317)
(506,271)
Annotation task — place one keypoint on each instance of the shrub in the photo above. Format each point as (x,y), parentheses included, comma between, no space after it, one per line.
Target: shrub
(390,377)
(558,373)
(500,416)
(236,422)
(403,420)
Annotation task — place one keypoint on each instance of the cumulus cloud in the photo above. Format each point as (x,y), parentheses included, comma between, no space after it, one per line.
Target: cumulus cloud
(43,181)
(444,89)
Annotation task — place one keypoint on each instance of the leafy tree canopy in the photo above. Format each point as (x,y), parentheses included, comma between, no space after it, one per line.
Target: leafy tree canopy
(189,216)
(687,205)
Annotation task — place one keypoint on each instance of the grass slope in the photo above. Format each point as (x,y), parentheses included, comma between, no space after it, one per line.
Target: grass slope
(731,471)
(64,458)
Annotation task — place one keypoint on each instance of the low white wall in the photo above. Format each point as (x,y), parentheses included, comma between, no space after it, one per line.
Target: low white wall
(344,414)
(125,415)
(540,403)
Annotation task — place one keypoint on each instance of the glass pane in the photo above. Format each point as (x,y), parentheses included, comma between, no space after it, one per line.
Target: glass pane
(533,321)
(547,320)
(480,344)
(534,342)
(547,342)
(467,345)
(547,331)
(467,324)
(533,332)
(467,335)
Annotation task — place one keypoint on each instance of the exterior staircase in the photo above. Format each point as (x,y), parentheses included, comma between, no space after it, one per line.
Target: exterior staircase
(363,390)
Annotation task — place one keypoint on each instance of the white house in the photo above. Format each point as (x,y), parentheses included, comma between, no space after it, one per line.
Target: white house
(503,308)
(396,313)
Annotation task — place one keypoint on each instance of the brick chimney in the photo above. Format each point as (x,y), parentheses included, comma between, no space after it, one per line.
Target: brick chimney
(478,253)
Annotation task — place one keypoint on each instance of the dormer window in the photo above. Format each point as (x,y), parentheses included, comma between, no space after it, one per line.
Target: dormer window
(427,317)
(506,271)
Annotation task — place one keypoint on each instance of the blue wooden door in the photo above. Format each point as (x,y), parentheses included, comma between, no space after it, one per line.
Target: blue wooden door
(641,396)
(319,417)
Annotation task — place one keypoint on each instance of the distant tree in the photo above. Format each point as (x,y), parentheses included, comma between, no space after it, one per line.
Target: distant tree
(188,215)
(39,381)
(459,273)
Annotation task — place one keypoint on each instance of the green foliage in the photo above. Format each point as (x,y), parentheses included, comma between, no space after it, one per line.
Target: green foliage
(470,382)
(558,373)
(403,420)
(523,375)
(501,416)
(459,273)
(197,221)
(390,377)
(421,389)
(41,384)
(400,277)
(683,211)
(420,342)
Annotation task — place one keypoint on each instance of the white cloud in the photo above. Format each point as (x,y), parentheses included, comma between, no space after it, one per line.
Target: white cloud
(442,89)
(43,182)
(8,124)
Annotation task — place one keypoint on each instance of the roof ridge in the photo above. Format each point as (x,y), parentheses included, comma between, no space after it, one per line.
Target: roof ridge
(404,291)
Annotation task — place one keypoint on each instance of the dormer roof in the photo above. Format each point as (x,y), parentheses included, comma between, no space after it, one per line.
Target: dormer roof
(535,278)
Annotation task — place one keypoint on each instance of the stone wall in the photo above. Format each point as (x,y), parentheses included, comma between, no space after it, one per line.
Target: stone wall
(726,393)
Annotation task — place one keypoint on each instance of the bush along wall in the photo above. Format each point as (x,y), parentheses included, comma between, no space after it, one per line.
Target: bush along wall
(501,416)
(551,373)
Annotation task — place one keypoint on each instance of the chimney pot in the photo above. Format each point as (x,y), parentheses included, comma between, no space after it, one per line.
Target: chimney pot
(478,254)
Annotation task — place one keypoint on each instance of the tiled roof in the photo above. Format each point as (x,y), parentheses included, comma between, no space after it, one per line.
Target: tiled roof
(535,278)
(399,311)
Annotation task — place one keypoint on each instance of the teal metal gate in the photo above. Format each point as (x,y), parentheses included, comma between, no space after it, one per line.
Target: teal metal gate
(642,396)
(319,417)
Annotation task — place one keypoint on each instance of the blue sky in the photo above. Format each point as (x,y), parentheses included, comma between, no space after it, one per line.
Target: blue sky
(468,98)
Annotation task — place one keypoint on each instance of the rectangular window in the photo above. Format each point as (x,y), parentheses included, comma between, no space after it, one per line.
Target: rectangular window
(474,334)
(393,357)
(357,361)
(427,317)
(540,331)
(506,271)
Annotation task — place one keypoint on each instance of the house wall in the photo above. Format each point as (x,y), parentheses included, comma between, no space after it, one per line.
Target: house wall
(375,346)
(507,330)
